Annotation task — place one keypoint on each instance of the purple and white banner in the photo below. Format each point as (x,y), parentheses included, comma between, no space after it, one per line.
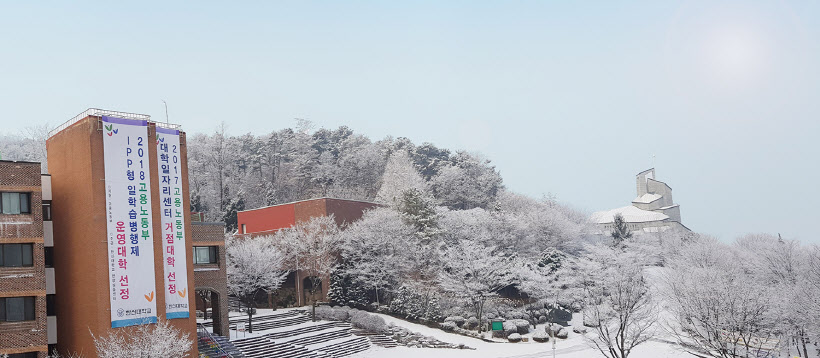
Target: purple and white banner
(173,223)
(128,214)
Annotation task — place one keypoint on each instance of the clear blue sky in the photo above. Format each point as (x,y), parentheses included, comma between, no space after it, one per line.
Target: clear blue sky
(567,98)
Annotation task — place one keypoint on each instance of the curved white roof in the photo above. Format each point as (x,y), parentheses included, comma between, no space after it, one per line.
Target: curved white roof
(630,213)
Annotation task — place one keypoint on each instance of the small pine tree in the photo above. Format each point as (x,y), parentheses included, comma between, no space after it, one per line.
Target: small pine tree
(230,218)
(620,231)
(419,210)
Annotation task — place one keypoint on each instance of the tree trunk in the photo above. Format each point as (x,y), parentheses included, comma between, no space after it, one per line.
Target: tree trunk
(250,319)
(314,310)
(480,310)
(376,289)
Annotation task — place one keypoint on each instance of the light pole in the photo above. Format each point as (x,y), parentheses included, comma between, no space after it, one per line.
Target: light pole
(166,111)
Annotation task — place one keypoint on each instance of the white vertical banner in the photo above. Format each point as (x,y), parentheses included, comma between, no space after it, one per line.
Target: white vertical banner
(130,230)
(173,223)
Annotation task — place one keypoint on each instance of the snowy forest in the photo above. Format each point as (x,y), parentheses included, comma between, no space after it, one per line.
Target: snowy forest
(451,247)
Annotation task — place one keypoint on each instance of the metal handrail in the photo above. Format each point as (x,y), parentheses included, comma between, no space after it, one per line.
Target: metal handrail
(219,348)
(104,112)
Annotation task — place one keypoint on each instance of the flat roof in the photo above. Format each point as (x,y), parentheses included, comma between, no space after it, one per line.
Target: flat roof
(314,199)
(97,112)
(18,161)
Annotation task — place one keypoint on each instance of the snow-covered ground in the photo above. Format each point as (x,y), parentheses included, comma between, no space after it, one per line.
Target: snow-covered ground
(575,346)
(572,347)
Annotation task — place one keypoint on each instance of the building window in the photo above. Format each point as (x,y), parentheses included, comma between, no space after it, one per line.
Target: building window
(205,254)
(51,305)
(16,255)
(46,211)
(48,252)
(23,355)
(16,309)
(15,203)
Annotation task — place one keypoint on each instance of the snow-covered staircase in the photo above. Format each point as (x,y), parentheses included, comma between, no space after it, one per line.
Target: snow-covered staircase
(378,339)
(215,346)
(295,336)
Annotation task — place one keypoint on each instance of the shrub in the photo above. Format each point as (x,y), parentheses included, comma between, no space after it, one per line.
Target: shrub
(458,320)
(369,322)
(514,338)
(331,314)
(510,327)
(589,322)
(540,336)
(448,326)
(553,328)
(522,326)
(471,323)
(562,333)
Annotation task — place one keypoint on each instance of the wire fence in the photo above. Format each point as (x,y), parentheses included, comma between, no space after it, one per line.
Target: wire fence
(96,112)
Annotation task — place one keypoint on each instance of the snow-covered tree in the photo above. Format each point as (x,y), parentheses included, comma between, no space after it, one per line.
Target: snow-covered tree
(475,273)
(621,309)
(312,246)
(160,340)
(399,176)
(375,248)
(718,306)
(254,265)
(551,279)
(469,182)
(418,209)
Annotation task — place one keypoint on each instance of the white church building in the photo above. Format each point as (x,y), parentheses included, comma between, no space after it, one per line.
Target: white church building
(652,210)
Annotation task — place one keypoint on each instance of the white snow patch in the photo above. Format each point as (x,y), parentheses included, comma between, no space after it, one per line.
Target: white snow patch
(630,213)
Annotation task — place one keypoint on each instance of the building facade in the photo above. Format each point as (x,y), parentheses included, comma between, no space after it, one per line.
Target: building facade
(268,220)
(23,311)
(653,210)
(83,217)
(210,275)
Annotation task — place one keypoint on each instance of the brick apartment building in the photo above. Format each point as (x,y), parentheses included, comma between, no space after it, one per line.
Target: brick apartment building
(210,276)
(268,220)
(23,288)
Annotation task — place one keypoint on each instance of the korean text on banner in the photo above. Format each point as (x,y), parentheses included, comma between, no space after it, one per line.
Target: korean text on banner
(173,223)
(130,230)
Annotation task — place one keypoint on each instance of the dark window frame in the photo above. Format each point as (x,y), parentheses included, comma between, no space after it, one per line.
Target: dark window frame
(48,255)
(23,201)
(213,255)
(26,258)
(46,206)
(29,304)
(51,305)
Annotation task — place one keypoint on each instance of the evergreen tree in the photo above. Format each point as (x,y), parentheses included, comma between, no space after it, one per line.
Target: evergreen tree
(620,231)
(236,205)
(419,210)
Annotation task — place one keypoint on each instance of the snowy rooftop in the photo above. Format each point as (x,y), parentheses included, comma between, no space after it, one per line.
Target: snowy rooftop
(630,213)
(647,198)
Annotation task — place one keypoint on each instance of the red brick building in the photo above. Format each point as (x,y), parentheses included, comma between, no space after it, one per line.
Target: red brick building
(78,176)
(23,313)
(210,276)
(270,219)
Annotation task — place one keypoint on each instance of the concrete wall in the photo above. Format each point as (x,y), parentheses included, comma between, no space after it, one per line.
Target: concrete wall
(658,187)
(640,181)
(80,247)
